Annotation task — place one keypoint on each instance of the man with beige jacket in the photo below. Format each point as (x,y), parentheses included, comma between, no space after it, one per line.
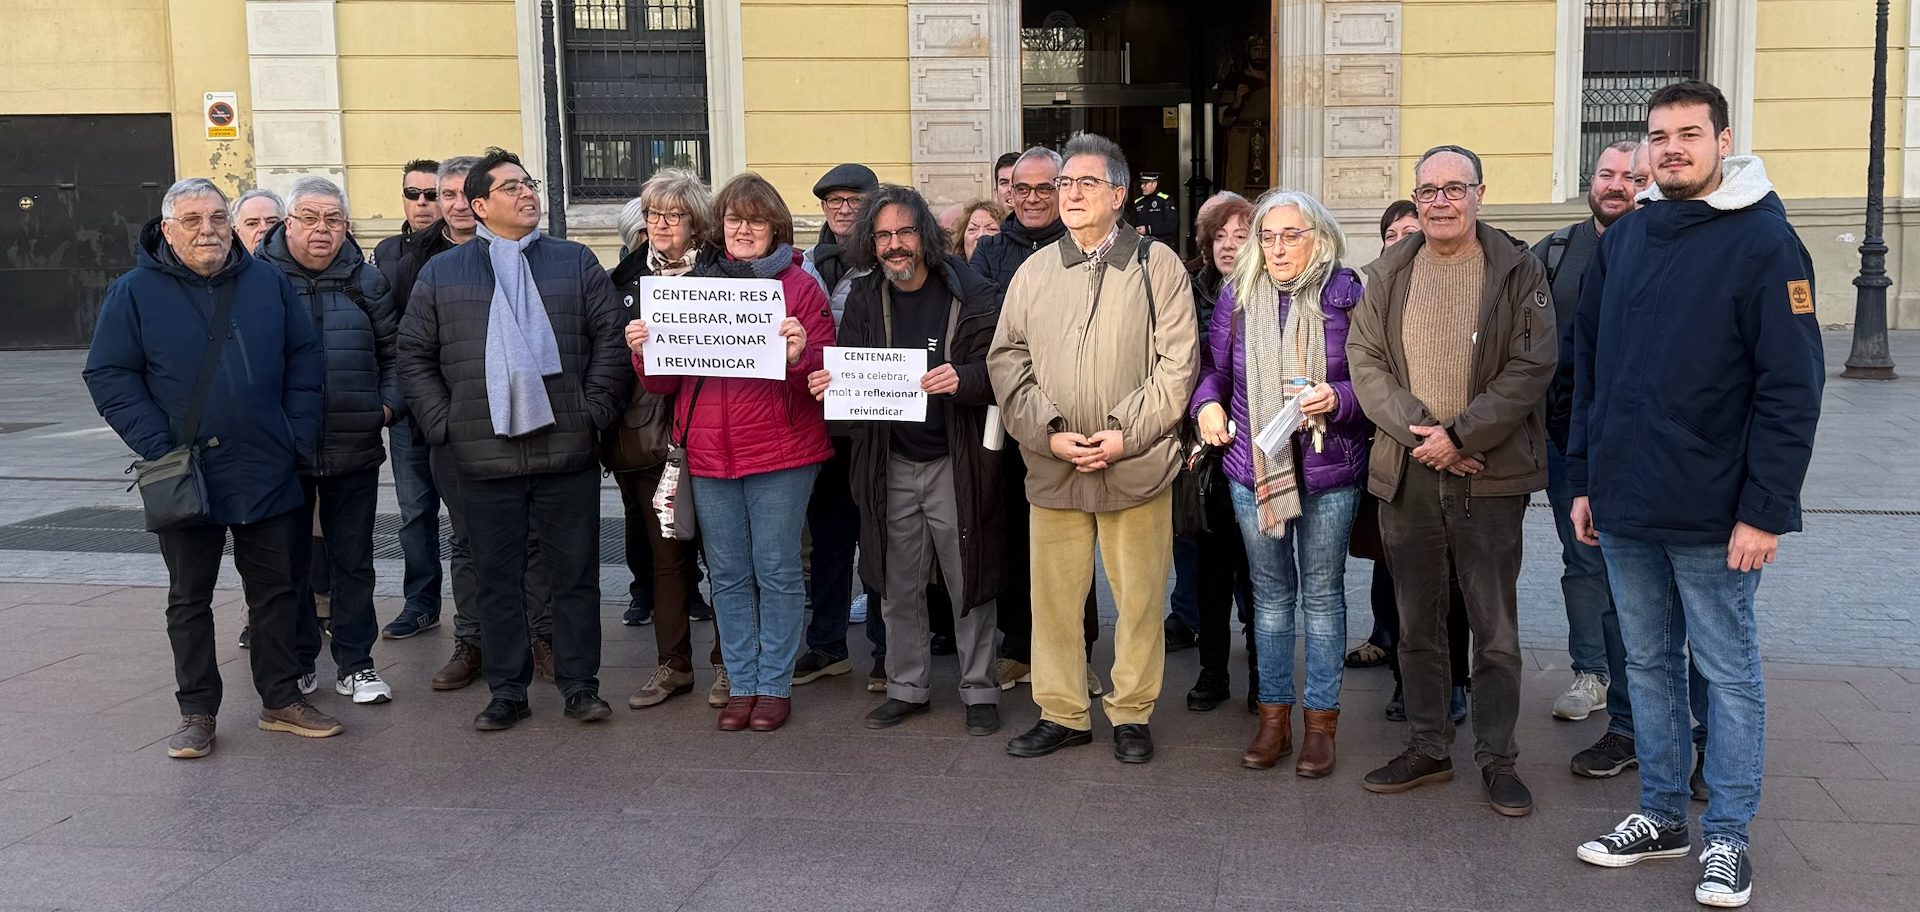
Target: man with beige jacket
(1095,356)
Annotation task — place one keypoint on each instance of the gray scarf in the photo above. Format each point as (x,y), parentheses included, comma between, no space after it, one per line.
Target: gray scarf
(521,350)
(767,267)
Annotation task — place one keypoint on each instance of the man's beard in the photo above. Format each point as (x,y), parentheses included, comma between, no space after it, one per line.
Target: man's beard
(1600,215)
(1687,189)
(903,274)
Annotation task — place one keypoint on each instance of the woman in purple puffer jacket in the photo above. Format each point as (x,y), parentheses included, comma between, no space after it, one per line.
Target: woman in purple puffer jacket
(1279,335)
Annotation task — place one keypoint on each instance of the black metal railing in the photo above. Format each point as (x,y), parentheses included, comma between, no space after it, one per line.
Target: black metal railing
(1634,48)
(634,93)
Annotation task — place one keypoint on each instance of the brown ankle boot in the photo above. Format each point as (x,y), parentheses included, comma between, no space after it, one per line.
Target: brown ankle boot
(1273,740)
(1316,750)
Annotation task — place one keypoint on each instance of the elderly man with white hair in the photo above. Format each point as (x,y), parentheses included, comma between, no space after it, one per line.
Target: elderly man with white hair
(352,306)
(203,355)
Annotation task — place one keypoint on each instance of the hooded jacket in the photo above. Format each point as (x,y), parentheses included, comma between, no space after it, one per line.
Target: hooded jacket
(997,257)
(352,309)
(443,359)
(740,426)
(261,423)
(976,469)
(1077,350)
(1698,367)
(1515,350)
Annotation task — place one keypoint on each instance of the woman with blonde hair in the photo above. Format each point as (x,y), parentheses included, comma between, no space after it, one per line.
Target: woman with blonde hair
(978,219)
(1278,345)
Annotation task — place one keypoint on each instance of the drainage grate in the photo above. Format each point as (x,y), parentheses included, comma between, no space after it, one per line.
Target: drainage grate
(1816,511)
(117,530)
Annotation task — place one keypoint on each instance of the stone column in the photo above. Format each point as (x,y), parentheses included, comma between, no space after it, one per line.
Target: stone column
(950,92)
(1337,99)
(295,67)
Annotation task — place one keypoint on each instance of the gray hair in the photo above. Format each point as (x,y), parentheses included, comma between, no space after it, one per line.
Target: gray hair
(631,221)
(311,186)
(1479,176)
(233,208)
(1329,247)
(1041,152)
(1095,144)
(457,166)
(681,187)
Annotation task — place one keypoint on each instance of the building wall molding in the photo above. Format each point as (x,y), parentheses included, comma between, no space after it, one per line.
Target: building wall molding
(293,63)
(951,94)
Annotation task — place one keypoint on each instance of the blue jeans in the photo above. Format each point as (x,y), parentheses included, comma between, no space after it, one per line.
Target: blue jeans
(1593,635)
(345,504)
(419,501)
(751,527)
(1185,601)
(1681,599)
(1308,568)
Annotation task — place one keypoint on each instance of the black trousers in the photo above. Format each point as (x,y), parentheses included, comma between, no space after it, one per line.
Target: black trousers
(1015,604)
(1224,584)
(263,553)
(563,509)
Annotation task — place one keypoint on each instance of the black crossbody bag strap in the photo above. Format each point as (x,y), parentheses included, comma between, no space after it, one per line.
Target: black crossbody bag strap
(686,425)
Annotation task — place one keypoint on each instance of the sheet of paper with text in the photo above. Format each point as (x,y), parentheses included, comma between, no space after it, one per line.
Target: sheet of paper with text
(706,327)
(876,384)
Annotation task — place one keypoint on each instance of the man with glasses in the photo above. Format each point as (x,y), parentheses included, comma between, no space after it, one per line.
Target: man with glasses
(1452,351)
(351,304)
(257,426)
(512,355)
(1101,448)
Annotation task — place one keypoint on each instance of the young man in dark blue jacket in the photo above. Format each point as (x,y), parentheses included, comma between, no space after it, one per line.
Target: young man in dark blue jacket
(1696,394)
(260,425)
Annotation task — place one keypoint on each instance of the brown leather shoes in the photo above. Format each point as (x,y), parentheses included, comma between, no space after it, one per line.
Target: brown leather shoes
(1273,740)
(543,660)
(459,670)
(1316,749)
(770,713)
(738,712)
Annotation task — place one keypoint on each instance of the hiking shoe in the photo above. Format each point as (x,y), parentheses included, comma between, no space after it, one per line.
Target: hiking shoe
(501,714)
(857,611)
(410,623)
(814,665)
(459,670)
(1697,783)
(1408,771)
(543,659)
(586,706)
(1094,687)
(893,712)
(1726,876)
(365,687)
(300,718)
(1587,695)
(983,719)
(667,682)
(877,678)
(1508,795)
(309,683)
(1634,840)
(637,615)
(194,739)
(1607,758)
(722,688)
(246,637)
(1012,673)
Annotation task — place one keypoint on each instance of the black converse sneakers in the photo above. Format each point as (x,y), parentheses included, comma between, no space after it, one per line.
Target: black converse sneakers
(1726,876)
(1636,838)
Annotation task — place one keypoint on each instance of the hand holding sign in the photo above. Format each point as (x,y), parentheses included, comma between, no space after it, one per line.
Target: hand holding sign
(941,381)
(796,336)
(636,335)
(817,383)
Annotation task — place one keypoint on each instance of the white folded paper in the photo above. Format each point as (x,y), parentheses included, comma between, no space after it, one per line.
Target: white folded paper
(1280,428)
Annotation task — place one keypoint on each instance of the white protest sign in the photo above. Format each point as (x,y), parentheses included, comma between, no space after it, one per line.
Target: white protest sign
(714,327)
(876,384)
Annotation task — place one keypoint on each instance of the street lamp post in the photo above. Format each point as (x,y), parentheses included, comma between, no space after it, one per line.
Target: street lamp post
(1870,358)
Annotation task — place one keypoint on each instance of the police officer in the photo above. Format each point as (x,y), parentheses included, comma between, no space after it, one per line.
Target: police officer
(1154,213)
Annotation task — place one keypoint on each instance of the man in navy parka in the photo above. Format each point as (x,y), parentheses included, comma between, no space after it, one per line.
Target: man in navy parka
(261,423)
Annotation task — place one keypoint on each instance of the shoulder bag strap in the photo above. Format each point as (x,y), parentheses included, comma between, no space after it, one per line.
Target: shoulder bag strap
(210,363)
(692,401)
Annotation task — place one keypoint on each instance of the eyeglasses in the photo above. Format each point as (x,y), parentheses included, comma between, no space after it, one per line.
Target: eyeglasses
(841,202)
(426,193)
(1290,237)
(1037,191)
(883,238)
(310,221)
(218,220)
(735,223)
(1086,184)
(668,218)
(1454,191)
(513,187)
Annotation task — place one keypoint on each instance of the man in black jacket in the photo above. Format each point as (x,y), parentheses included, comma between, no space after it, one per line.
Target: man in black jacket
(420,187)
(350,304)
(928,488)
(512,355)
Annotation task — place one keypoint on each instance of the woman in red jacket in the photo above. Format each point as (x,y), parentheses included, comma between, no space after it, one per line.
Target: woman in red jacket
(753,449)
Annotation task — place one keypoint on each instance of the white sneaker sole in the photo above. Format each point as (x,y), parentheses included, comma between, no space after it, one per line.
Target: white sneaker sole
(1722,900)
(1573,715)
(1609,860)
(363,699)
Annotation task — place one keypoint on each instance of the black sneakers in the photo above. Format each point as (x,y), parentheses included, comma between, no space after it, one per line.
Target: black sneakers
(1726,876)
(1607,758)
(586,706)
(1635,838)
(1508,795)
(1410,770)
(501,714)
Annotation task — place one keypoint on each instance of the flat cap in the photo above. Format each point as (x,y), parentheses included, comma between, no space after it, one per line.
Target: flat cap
(850,176)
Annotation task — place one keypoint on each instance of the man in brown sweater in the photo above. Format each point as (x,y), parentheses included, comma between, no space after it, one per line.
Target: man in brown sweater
(1452,352)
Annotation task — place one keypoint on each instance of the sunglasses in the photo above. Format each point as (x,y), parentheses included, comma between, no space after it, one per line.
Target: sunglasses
(414,193)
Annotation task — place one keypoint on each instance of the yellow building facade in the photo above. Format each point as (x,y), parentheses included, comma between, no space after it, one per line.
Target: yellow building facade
(929,93)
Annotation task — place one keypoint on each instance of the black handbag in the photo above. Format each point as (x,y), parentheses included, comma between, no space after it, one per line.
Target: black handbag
(1199,468)
(173,487)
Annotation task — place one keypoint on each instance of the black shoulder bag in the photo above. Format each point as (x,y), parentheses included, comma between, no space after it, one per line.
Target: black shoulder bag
(173,488)
(1194,480)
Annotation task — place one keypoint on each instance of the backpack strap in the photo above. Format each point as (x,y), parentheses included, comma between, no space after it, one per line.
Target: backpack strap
(1557,245)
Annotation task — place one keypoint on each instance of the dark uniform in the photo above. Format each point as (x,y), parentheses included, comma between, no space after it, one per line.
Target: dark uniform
(1157,213)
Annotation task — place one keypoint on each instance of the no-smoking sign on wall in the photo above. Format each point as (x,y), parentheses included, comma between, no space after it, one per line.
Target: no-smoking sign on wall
(222,115)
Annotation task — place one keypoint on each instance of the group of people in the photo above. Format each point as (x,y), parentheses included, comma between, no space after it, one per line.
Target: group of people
(1656,368)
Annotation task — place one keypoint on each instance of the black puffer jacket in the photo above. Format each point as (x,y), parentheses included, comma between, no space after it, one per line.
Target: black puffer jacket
(415,251)
(352,308)
(976,469)
(998,256)
(443,359)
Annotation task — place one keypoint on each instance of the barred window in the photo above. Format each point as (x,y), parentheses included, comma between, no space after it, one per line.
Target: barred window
(1633,49)
(634,93)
